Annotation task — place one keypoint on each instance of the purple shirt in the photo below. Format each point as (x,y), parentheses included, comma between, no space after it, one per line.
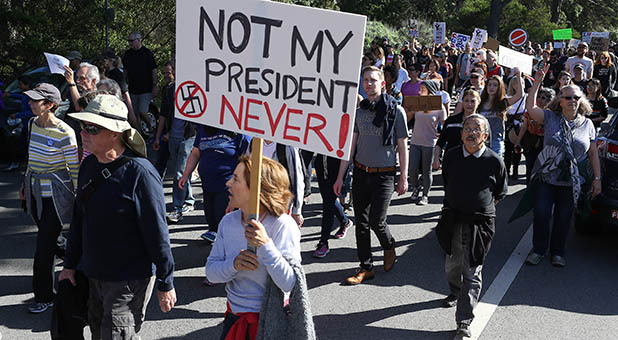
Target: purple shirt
(410,89)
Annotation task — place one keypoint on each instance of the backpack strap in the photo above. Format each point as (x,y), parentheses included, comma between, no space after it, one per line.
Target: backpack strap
(87,190)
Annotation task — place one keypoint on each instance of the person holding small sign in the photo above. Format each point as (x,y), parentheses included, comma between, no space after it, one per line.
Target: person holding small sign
(423,141)
(380,134)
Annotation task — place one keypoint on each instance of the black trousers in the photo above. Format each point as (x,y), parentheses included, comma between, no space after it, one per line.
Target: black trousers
(372,196)
(511,157)
(49,228)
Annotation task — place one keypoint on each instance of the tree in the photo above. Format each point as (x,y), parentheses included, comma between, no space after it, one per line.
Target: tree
(495,13)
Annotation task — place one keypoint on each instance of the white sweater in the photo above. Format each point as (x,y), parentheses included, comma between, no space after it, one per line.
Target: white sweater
(245,289)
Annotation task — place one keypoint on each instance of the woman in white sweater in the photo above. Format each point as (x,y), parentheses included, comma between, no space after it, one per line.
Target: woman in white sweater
(274,234)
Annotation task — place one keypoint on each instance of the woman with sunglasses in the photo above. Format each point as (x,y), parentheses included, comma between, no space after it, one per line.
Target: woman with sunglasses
(605,71)
(558,182)
(598,102)
(49,186)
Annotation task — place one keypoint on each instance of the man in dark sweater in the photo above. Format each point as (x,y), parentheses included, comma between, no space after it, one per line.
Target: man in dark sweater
(474,181)
(118,236)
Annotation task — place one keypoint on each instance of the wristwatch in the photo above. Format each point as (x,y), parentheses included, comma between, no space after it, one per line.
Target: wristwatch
(597,178)
(72,85)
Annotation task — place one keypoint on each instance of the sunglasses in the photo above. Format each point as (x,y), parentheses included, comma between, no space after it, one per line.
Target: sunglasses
(571,97)
(91,129)
(475,77)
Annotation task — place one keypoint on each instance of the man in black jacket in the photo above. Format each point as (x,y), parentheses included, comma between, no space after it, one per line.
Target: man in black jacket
(474,181)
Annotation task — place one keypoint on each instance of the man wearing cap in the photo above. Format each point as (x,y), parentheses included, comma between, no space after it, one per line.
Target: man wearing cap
(580,59)
(75,58)
(141,71)
(118,236)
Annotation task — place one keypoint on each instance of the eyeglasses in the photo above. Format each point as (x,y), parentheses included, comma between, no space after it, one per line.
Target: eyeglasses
(571,97)
(544,97)
(473,130)
(91,129)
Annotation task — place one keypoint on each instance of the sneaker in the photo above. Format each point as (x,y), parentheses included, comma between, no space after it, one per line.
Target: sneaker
(423,201)
(195,177)
(174,216)
(187,208)
(449,301)
(343,230)
(321,250)
(533,258)
(558,261)
(40,307)
(464,330)
(209,236)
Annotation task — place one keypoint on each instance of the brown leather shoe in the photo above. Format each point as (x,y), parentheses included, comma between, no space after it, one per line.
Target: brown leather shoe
(360,276)
(389,258)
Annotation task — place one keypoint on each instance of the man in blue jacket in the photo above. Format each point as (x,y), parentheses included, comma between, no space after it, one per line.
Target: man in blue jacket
(118,236)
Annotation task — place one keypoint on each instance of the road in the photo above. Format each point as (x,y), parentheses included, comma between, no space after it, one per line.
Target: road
(519,302)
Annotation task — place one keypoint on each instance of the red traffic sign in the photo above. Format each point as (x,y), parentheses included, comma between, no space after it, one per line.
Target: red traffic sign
(518,37)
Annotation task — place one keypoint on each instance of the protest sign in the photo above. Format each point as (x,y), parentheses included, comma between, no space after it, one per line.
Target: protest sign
(56,62)
(587,36)
(413,24)
(422,103)
(492,44)
(563,34)
(558,44)
(439,32)
(509,58)
(573,43)
(459,40)
(270,70)
(518,37)
(478,38)
(599,44)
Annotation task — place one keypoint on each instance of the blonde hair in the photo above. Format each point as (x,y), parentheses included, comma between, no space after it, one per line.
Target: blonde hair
(583,108)
(275,194)
(373,69)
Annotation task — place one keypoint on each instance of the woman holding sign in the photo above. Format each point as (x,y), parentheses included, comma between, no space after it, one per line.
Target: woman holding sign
(494,105)
(276,237)
(422,142)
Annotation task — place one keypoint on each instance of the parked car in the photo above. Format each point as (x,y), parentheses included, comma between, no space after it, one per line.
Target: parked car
(604,212)
(38,75)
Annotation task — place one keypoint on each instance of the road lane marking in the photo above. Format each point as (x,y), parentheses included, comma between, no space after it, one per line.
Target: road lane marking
(494,294)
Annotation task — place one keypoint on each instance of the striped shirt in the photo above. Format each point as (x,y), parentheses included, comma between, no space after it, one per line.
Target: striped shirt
(53,149)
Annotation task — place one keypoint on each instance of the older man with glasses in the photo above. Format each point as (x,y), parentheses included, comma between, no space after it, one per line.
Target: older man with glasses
(118,234)
(474,181)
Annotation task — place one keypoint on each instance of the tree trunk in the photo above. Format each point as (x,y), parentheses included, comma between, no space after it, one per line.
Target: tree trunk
(556,6)
(495,14)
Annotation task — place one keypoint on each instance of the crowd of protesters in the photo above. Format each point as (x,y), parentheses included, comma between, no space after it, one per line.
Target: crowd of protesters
(550,116)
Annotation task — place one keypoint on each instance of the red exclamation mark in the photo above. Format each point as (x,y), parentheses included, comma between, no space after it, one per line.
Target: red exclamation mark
(343,132)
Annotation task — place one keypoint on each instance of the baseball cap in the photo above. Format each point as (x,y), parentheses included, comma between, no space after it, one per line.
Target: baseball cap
(74,55)
(44,91)
(579,66)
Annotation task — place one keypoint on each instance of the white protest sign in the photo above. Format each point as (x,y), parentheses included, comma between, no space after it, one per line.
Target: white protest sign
(459,40)
(439,32)
(587,36)
(56,62)
(478,38)
(510,58)
(280,72)
(557,44)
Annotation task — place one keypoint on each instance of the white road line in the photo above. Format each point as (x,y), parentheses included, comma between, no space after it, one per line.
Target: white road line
(494,294)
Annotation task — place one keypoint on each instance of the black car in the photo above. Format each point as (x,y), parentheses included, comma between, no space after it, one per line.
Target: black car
(604,212)
(38,75)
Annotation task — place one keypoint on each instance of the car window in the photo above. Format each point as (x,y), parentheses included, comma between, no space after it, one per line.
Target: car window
(613,128)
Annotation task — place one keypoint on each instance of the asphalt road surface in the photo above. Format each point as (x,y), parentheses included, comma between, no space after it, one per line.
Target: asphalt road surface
(518,302)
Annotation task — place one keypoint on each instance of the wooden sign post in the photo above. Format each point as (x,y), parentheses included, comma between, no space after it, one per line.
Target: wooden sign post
(255,183)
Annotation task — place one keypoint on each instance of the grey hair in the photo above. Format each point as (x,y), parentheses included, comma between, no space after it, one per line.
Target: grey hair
(478,116)
(111,86)
(93,72)
(584,108)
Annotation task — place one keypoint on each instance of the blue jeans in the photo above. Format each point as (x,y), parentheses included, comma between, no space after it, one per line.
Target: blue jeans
(140,102)
(214,207)
(331,207)
(180,149)
(497,146)
(561,199)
